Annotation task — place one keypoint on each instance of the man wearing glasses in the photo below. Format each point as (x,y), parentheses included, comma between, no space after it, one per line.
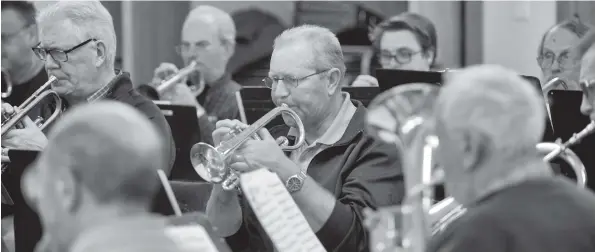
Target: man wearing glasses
(338,172)
(407,41)
(586,53)
(78,46)
(208,38)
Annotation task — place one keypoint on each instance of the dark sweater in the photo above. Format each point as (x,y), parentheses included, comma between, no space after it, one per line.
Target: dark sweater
(542,215)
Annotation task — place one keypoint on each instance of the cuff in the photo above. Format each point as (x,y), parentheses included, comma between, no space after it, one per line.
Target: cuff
(337,227)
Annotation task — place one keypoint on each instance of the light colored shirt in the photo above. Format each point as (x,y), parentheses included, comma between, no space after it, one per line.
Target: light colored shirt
(304,155)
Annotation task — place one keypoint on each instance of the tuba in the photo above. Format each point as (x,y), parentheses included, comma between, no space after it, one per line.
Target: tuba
(211,162)
(403,116)
(6,93)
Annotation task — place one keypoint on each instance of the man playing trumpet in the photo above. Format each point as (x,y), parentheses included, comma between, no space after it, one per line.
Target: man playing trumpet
(78,46)
(341,169)
(208,38)
(489,122)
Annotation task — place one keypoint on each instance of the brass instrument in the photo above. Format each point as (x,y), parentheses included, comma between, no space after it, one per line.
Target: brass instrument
(554,83)
(211,162)
(403,116)
(6,93)
(9,121)
(196,89)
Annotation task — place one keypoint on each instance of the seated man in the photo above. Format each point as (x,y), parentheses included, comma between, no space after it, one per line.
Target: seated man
(97,197)
(489,122)
(341,170)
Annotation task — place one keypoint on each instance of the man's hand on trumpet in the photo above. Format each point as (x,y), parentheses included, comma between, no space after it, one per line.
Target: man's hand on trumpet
(180,93)
(256,154)
(28,137)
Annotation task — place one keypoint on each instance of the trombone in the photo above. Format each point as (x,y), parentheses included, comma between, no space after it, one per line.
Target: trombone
(9,121)
(211,162)
(403,116)
(6,93)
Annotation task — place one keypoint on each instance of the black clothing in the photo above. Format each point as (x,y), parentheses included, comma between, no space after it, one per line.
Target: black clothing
(22,91)
(540,215)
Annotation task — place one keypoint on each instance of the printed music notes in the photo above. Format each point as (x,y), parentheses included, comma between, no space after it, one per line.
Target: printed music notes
(191,238)
(278,213)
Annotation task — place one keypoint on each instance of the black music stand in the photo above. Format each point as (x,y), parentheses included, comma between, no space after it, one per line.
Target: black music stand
(535,82)
(389,78)
(567,120)
(255,102)
(362,94)
(199,218)
(183,122)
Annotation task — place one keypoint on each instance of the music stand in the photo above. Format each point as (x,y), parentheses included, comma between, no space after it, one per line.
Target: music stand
(362,94)
(256,102)
(567,120)
(183,122)
(389,78)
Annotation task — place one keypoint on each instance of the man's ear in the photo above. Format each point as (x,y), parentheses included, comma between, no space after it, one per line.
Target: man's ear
(101,51)
(429,56)
(475,149)
(334,83)
(66,186)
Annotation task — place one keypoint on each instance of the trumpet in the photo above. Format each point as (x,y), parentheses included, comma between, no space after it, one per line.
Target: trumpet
(6,93)
(9,121)
(196,89)
(210,162)
(403,116)
(554,83)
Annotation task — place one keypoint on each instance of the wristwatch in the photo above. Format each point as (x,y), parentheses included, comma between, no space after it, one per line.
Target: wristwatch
(295,182)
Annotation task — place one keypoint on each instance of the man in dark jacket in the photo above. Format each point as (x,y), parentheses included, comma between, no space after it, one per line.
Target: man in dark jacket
(335,174)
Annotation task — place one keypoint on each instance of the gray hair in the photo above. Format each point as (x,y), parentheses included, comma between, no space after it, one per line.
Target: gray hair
(111,149)
(89,19)
(325,45)
(496,102)
(217,17)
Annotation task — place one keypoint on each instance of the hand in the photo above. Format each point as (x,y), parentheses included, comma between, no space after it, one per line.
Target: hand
(163,72)
(223,128)
(365,81)
(29,137)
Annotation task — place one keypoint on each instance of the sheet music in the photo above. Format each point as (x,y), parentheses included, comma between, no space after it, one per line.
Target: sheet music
(191,238)
(278,213)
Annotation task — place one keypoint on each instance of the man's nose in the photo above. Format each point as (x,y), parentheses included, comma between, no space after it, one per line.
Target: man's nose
(587,107)
(280,90)
(51,63)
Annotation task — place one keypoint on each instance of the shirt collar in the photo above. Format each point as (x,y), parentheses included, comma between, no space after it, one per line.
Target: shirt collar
(105,90)
(337,128)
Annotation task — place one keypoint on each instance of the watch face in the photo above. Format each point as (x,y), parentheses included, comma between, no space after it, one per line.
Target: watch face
(294,184)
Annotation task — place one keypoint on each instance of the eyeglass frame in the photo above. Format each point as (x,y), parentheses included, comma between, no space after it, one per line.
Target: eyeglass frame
(293,79)
(66,52)
(395,55)
(556,58)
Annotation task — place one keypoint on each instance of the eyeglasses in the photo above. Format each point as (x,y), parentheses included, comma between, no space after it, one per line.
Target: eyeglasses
(546,60)
(401,56)
(56,54)
(292,82)
(186,48)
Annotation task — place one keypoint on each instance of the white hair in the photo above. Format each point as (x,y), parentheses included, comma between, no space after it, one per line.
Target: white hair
(89,19)
(216,17)
(496,102)
(323,42)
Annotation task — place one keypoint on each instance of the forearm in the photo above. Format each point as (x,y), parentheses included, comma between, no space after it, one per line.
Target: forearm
(315,202)
(224,211)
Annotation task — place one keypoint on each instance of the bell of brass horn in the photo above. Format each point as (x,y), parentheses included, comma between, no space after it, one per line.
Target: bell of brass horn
(9,121)
(211,162)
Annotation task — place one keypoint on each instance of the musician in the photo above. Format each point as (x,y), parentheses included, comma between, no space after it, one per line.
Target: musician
(97,197)
(555,48)
(489,121)
(345,170)
(78,46)
(208,37)
(585,51)
(407,41)
(19,35)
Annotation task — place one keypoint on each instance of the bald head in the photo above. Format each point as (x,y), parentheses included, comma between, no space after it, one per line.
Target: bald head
(214,17)
(495,102)
(111,148)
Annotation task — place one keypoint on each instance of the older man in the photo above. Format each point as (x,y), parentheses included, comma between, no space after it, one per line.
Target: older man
(488,122)
(338,171)
(208,38)
(97,197)
(78,46)
(585,50)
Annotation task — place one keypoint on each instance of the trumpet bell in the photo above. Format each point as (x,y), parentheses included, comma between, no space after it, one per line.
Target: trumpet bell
(208,162)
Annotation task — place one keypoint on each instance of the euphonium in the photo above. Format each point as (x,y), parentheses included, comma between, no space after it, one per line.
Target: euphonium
(8,82)
(402,116)
(211,162)
(196,89)
(9,121)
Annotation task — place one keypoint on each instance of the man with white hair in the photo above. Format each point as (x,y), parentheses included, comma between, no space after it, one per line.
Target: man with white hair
(208,38)
(489,121)
(97,197)
(78,46)
(339,171)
